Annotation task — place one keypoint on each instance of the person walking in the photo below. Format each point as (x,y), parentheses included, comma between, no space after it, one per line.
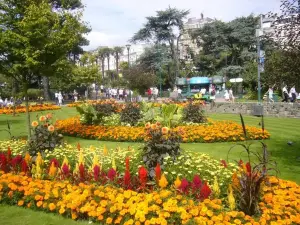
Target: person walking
(231,97)
(226,95)
(271,94)
(179,93)
(285,94)
(213,98)
(293,94)
(60,99)
(149,92)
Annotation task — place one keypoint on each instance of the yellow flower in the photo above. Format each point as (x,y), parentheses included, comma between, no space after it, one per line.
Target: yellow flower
(113,164)
(20,203)
(43,118)
(51,128)
(27,158)
(52,206)
(163,182)
(216,188)
(164,130)
(39,160)
(81,158)
(177,182)
(231,199)
(109,220)
(105,152)
(52,170)
(34,123)
(95,160)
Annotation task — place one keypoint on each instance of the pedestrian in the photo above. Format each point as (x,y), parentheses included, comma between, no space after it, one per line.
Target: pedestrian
(226,95)
(231,97)
(149,92)
(293,94)
(155,93)
(213,98)
(271,93)
(121,93)
(60,99)
(285,94)
(56,98)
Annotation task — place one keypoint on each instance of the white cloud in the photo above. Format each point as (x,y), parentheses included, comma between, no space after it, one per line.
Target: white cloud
(115,21)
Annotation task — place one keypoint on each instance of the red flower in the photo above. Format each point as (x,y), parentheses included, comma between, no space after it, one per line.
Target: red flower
(196,183)
(127,163)
(223,162)
(205,191)
(184,186)
(111,174)
(24,166)
(248,167)
(8,154)
(16,161)
(127,179)
(65,170)
(78,146)
(241,163)
(81,172)
(96,171)
(157,172)
(3,162)
(143,175)
(55,161)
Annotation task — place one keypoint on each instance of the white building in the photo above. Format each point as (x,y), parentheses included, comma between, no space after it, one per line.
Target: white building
(186,41)
(135,51)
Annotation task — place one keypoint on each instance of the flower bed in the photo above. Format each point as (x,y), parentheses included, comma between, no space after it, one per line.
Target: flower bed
(32,108)
(215,132)
(280,205)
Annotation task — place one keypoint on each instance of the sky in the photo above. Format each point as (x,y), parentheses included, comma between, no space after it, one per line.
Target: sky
(114,22)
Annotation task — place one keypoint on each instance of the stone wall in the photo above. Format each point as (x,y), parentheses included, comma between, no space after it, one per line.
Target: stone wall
(274,109)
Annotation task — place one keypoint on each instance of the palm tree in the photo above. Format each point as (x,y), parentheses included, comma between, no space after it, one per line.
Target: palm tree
(102,55)
(117,52)
(108,52)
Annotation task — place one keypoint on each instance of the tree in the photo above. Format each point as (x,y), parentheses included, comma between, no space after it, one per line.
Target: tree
(166,27)
(101,54)
(224,45)
(138,79)
(35,41)
(117,51)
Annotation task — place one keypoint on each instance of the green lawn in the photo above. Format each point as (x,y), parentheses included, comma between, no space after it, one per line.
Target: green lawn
(13,215)
(282,130)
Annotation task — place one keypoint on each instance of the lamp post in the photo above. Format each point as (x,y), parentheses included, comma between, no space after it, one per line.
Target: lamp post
(128,51)
(259,33)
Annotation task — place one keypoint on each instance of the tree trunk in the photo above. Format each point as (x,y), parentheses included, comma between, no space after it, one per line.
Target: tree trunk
(102,64)
(46,88)
(117,64)
(25,89)
(108,59)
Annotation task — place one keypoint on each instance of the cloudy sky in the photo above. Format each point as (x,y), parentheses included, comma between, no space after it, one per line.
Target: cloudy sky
(113,22)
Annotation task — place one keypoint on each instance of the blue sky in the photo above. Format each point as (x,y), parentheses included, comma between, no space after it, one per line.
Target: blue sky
(113,22)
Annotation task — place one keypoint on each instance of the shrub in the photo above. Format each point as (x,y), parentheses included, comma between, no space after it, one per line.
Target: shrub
(88,114)
(112,120)
(35,93)
(44,137)
(131,114)
(194,113)
(161,142)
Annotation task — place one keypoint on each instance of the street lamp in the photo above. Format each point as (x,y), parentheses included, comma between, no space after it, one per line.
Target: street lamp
(128,50)
(259,33)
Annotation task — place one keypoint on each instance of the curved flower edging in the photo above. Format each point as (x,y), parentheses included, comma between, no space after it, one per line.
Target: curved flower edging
(280,203)
(32,108)
(216,132)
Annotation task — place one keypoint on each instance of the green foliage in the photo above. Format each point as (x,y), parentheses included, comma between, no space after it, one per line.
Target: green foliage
(112,120)
(88,114)
(131,114)
(43,139)
(170,115)
(35,93)
(194,113)
(159,146)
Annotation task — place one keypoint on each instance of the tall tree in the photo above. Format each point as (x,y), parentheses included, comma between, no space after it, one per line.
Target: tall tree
(165,27)
(34,40)
(117,51)
(101,54)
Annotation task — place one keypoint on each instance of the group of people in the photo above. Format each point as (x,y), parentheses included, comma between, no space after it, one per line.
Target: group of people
(6,102)
(118,93)
(152,93)
(288,96)
(229,97)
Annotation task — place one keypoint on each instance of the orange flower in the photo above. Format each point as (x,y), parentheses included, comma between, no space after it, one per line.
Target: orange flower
(52,206)
(34,123)
(148,125)
(43,118)
(20,203)
(164,130)
(49,115)
(51,128)
(153,126)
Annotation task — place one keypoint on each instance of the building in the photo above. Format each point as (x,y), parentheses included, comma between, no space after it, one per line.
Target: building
(186,43)
(135,51)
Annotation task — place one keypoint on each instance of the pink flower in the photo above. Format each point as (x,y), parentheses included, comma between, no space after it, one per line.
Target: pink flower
(111,174)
